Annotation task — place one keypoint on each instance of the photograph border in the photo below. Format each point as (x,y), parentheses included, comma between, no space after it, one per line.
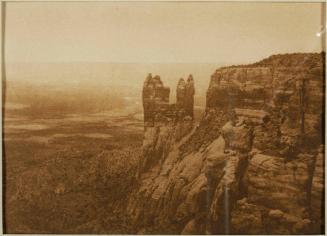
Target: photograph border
(321,34)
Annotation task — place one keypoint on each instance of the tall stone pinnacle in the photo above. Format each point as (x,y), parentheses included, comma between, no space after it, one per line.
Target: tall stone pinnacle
(180,94)
(155,98)
(189,96)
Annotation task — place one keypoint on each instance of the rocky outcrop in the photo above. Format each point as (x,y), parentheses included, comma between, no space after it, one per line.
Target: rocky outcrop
(289,88)
(252,165)
(157,109)
(155,98)
(316,201)
(185,95)
(277,189)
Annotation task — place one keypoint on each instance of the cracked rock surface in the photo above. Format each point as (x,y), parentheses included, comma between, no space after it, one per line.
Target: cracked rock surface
(252,165)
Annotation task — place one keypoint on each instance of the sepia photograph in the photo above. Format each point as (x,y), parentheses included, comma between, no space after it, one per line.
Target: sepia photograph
(143,117)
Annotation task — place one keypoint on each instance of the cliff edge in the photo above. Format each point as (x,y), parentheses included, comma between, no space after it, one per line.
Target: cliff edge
(252,165)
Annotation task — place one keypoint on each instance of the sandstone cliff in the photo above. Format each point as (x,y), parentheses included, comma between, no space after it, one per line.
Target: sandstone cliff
(252,165)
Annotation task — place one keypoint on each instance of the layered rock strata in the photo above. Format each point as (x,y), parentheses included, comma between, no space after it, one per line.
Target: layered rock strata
(252,165)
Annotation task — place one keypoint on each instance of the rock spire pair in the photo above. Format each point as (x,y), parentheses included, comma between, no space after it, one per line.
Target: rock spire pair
(156,99)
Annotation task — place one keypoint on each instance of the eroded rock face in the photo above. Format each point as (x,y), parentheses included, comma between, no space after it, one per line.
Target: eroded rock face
(277,197)
(158,110)
(317,191)
(230,184)
(189,96)
(288,87)
(252,165)
(155,98)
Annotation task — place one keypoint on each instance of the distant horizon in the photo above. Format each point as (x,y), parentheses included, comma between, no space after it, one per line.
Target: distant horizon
(165,62)
(114,74)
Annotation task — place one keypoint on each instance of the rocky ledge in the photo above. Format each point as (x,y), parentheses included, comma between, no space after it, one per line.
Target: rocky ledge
(252,165)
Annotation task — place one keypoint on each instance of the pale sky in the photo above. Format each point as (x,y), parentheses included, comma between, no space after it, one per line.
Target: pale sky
(149,32)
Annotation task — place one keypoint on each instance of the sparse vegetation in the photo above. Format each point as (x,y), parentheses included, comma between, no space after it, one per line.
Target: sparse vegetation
(65,175)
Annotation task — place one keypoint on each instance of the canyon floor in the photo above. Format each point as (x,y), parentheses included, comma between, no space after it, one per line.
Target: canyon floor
(70,173)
